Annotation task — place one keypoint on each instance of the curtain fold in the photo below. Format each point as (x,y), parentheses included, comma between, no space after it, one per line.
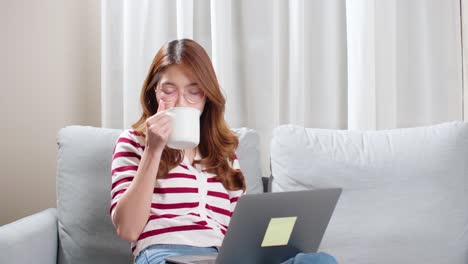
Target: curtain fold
(404,63)
(355,64)
(464,19)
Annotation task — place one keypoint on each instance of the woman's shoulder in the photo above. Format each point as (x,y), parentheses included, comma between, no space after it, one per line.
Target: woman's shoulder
(133,132)
(130,133)
(131,136)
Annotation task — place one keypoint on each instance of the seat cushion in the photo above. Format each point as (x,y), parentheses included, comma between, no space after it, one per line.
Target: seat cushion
(405,191)
(86,233)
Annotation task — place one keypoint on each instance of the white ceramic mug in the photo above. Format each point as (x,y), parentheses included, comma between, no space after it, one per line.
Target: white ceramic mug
(185,127)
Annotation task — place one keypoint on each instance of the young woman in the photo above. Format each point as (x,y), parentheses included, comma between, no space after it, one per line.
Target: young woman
(169,202)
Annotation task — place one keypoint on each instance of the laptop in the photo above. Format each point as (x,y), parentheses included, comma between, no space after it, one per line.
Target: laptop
(272,227)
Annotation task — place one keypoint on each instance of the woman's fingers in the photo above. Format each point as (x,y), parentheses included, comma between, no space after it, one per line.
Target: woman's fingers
(161,106)
(159,127)
(159,117)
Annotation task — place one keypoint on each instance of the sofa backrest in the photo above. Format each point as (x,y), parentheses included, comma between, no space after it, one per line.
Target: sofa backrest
(405,191)
(86,233)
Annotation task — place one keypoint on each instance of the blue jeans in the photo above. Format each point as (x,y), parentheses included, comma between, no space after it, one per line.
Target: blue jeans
(155,254)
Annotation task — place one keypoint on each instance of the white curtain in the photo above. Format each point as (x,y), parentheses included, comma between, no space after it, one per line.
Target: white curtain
(404,63)
(356,64)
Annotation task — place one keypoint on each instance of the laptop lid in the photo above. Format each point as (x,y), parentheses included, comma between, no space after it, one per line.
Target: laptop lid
(272,227)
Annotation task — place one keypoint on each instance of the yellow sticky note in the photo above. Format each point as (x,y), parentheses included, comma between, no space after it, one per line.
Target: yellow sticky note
(279,231)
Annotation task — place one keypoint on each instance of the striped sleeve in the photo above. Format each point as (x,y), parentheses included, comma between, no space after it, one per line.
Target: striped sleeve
(235,195)
(125,160)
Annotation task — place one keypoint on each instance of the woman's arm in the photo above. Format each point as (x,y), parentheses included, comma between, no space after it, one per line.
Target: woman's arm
(133,206)
(132,210)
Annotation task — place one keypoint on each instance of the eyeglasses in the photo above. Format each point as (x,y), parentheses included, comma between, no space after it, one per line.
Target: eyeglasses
(193,95)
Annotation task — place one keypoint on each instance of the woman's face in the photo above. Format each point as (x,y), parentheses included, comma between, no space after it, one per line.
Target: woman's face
(179,87)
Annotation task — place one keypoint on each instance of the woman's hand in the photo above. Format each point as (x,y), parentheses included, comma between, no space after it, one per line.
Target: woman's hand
(158,129)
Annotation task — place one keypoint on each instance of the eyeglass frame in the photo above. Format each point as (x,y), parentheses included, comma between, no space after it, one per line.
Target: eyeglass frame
(183,94)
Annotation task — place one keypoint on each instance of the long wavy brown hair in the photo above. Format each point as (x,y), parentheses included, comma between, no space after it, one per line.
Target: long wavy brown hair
(217,142)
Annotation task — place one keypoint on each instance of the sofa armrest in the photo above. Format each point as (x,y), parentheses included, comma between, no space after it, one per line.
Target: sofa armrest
(33,239)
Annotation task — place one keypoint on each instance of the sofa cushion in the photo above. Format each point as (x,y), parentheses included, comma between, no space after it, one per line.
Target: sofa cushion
(405,191)
(248,153)
(86,232)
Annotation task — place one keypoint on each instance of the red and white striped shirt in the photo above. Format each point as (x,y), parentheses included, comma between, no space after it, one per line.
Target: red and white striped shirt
(189,207)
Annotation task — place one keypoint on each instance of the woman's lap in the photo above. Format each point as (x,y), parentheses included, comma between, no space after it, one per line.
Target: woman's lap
(311,258)
(157,253)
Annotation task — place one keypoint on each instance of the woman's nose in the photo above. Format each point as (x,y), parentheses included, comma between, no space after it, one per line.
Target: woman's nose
(181,100)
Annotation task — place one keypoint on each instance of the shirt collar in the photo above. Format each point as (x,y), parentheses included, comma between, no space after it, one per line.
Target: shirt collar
(197,157)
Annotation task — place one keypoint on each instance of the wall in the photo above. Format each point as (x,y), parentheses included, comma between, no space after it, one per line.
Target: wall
(50,78)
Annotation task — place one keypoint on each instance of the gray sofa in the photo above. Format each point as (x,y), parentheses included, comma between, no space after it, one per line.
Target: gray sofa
(405,191)
(404,194)
(79,230)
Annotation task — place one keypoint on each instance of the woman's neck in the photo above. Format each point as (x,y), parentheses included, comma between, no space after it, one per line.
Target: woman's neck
(190,154)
